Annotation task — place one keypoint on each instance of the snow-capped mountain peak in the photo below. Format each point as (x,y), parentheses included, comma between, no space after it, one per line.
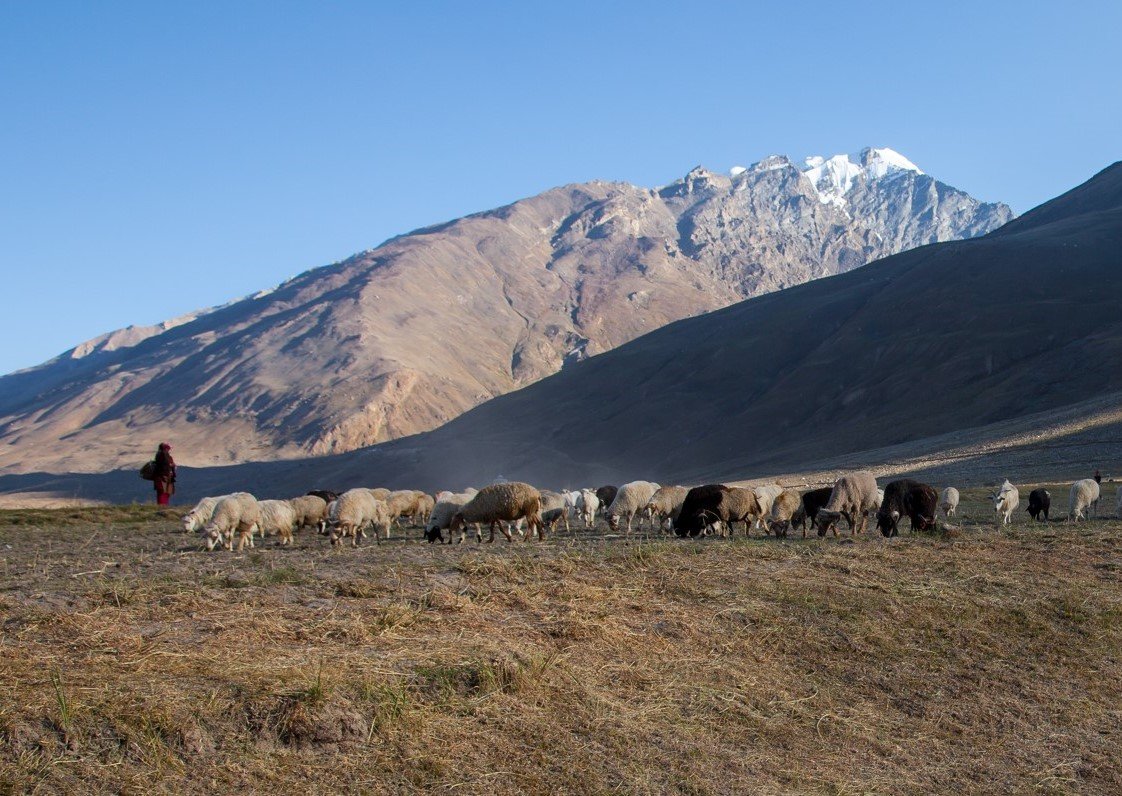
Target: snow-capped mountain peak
(833,178)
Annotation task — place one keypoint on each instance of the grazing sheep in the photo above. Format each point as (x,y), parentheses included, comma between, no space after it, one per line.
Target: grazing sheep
(311,511)
(443,512)
(907,498)
(813,501)
(630,500)
(1005,500)
(588,505)
(1084,496)
(665,504)
(948,501)
(852,497)
(354,511)
(402,503)
(499,503)
(715,504)
(783,509)
(381,493)
(572,505)
(606,494)
(236,513)
(277,516)
(766,495)
(198,517)
(425,504)
(1039,504)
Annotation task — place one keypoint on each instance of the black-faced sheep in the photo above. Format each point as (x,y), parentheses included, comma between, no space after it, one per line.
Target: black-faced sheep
(907,498)
(500,503)
(853,497)
(1084,499)
(1039,504)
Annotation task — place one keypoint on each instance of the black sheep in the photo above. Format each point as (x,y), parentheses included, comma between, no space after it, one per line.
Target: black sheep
(1039,504)
(907,498)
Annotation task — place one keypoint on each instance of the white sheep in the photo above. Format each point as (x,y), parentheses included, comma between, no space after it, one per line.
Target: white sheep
(311,511)
(354,511)
(1005,500)
(948,501)
(630,500)
(277,516)
(765,496)
(588,504)
(783,509)
(443,512)
(197,518)
(853,497)
(665,505)
(236,513)
(1084,496)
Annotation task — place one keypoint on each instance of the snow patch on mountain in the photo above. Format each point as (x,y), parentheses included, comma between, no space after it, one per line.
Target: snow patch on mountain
(833,178)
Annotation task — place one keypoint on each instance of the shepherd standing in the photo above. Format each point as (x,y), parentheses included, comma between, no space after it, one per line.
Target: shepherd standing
(164,479)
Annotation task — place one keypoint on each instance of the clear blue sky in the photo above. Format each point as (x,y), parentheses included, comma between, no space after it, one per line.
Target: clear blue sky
(158,157)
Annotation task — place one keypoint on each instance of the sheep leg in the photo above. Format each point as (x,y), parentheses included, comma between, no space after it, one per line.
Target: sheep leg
(503,527)
(541,529)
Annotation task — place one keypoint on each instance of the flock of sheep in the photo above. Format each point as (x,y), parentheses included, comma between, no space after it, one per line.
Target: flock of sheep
(508,506)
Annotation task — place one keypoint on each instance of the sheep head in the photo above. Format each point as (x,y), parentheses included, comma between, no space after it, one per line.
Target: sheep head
(824,521)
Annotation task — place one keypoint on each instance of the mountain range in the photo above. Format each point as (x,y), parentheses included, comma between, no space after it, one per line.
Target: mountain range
(405,337)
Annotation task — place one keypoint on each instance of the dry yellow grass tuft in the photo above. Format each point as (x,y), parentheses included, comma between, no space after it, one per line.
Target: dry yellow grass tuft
(980,661)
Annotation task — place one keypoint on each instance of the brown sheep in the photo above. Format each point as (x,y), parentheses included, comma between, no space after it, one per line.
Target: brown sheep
(501,503)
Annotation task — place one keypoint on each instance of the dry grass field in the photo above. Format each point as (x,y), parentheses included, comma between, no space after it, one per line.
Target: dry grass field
(976,661)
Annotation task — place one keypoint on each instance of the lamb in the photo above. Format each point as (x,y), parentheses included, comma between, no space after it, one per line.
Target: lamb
(766,495)
(311,511)
(499,503)
(1004,501)
(443,512)
(353,512)
(1040,503)
(572,505)
(783,509)
(853,497)
(948,501)
(813,501)
(588,505)
(665,504)
(629,502)
(277,516)
(233,513)
(1084,496)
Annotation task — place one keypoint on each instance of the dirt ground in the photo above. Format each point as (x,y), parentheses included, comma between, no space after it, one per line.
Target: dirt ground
(972,661)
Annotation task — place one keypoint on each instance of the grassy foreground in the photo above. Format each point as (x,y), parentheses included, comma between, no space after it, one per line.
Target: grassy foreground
(981,661)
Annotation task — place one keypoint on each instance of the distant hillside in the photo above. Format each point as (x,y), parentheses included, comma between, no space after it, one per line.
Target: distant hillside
(405,337)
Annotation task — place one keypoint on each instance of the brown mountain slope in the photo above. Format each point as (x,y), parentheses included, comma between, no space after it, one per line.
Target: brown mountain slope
(405,337)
